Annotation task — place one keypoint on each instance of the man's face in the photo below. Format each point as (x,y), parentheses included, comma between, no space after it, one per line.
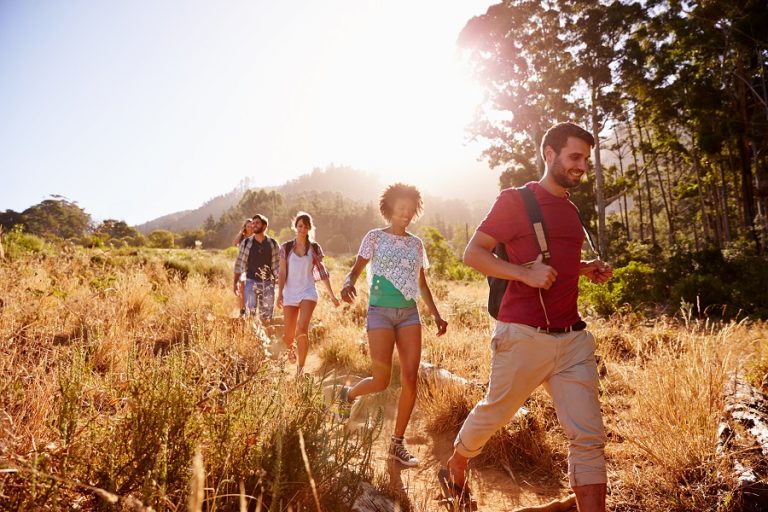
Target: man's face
(258,226)
(569,166)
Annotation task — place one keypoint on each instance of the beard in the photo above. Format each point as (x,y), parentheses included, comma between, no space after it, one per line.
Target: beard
(259,230)
(561,176)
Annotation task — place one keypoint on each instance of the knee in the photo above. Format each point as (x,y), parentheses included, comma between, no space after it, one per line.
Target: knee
(408,381)
(379,383)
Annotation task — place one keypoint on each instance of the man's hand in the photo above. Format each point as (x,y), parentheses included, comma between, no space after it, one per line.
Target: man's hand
(597,271)
(539,274)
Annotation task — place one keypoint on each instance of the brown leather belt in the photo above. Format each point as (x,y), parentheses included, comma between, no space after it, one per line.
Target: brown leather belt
(578,326)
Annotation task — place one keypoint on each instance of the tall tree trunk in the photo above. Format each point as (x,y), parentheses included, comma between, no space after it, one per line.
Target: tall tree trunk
(633,149)
(718,218)
(647,185)
(702,203)
(599,179)
(623,211)
(670,222)
(747,189)
(724,199)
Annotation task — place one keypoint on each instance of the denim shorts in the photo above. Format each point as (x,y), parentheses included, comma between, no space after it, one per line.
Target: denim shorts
(392,318)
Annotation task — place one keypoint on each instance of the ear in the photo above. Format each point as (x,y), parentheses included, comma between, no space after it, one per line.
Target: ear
(549,154)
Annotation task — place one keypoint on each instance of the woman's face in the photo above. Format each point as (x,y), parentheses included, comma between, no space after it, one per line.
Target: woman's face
(302,227)
(403,211)
(249,228)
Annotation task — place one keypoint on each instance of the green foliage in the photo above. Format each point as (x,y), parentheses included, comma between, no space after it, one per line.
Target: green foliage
(56,217)
(186,239)
(632,287)
(441,259)
(115,229)
(17,242)
(161,239)
(176,268)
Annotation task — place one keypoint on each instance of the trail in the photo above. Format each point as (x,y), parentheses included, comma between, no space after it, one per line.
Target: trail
(495,489)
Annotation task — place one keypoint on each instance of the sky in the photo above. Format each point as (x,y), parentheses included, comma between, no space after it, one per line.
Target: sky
(139,108)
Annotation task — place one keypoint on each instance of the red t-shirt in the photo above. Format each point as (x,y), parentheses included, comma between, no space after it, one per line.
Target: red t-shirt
(508,222)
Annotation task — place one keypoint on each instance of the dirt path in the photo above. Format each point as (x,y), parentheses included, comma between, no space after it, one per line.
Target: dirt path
(494,488)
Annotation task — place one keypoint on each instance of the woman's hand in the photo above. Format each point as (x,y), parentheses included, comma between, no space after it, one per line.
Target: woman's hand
(280,300)
(335,301)
(348,294)
(442,325)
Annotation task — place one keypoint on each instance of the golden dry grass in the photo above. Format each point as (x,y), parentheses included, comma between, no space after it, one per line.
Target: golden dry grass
(115,369)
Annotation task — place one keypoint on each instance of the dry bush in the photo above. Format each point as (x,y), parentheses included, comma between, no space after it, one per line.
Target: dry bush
(113,372)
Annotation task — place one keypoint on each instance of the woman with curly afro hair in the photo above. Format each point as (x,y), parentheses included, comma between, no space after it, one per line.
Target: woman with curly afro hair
(395,279)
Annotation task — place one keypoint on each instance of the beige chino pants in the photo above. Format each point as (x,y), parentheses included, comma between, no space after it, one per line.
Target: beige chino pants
(524,358)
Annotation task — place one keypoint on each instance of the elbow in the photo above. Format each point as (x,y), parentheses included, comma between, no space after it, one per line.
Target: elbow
(468,258)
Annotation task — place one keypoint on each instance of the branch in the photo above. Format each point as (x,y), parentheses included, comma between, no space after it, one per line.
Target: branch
(617,195)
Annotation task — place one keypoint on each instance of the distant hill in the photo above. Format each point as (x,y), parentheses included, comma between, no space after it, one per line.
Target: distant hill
(350,183)
(194,219)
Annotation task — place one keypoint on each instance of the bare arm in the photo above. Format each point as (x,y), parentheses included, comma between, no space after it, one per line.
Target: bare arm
(282,276)
(426,295)
(348,292)
(479,255)
(328,287)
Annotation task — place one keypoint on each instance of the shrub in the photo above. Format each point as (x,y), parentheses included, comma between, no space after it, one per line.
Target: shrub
(16,243)
(176,268)
(703,290)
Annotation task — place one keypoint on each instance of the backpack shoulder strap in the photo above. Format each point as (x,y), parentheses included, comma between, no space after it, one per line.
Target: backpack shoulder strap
(537,220)
(592,245)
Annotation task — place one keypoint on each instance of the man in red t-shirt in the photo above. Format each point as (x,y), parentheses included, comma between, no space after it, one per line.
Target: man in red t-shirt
(540,337)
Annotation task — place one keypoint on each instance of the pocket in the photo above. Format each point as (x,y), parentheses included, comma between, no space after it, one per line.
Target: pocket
(507,336)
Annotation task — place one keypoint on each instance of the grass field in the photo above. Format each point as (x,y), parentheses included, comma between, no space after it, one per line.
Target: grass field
(126,382)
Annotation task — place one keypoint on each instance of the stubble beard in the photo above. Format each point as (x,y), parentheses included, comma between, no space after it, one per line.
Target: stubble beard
(560,175)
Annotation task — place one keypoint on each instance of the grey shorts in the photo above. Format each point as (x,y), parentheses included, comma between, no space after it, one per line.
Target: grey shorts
(392,318)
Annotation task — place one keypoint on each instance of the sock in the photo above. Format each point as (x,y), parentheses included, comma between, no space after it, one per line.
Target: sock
(398,440)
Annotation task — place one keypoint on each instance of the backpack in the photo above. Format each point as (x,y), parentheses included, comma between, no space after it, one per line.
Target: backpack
(273,247)
(497,286)
(319,271)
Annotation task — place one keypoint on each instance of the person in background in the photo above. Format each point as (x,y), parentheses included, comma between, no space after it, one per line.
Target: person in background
(396,279)
(301,264)
(245,232)
(258,257)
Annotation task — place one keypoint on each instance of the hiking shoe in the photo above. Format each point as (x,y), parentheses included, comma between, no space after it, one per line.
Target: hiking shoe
(399,452)
(343,404)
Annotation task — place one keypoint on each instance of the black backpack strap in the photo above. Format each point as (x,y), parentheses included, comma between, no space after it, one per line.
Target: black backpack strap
(592,245)
(537,220)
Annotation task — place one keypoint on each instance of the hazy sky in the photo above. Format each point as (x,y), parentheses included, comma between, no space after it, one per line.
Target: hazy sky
(139,108)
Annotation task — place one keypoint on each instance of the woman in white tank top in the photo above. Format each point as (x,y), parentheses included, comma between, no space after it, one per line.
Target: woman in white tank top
(300,266)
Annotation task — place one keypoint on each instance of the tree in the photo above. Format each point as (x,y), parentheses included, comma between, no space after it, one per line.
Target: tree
(115,229)
(516,52)
(56,217)
(161,239)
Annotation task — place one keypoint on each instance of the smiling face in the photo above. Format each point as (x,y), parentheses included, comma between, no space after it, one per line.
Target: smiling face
(258,226)
(302,227)
(567,167)
(403,212)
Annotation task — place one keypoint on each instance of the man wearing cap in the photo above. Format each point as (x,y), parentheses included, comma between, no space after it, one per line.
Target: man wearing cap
(258,256)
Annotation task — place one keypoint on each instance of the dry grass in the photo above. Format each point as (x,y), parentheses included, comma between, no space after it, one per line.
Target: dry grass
(115,370)
(117,367)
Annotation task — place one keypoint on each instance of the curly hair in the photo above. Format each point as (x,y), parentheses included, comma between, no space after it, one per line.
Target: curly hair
(399,191)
